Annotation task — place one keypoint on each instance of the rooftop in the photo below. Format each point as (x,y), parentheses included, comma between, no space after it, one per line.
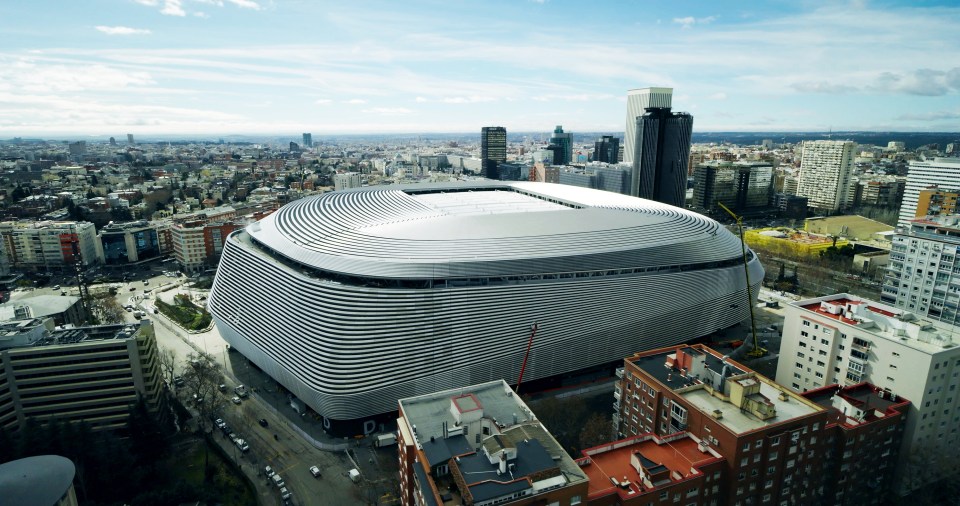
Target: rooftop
(881,320)
(738,398)
(859,404)
(614,468)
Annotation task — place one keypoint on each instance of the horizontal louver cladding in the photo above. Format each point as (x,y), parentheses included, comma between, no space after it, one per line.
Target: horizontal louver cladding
(350,351)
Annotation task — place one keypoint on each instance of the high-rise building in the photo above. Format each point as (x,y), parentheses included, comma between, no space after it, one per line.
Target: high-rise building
(737,185)
(564,141)
(847,339)
(345,180)
(130,139)
(78,148)
(638,101)
(923,174)
(307,140)
(826,169)
(606,149)
(51,244)
(113,142)
(481,445)
(661,151)
(936,202)
(493,150)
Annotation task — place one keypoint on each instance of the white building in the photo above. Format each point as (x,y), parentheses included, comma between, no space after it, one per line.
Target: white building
(189,247)
(922,174)
(46,245)
(346,180)
(825,179)
(637,102)
(845,339)
(923,274)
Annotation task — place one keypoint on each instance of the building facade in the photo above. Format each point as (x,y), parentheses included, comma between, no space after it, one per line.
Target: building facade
(660,157)
(934,201)
(826,170)
(129,243)
(847,340)
(638,100)
(923,274)
(480,445)
(92,374)
(493,150)
(922,174)
(563,141)
(51,245)
(346,180)
(739,185)
(771,439)
(422,279)
(607,149)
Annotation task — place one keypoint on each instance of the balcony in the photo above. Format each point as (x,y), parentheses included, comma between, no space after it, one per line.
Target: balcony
(620,372)
(616,406)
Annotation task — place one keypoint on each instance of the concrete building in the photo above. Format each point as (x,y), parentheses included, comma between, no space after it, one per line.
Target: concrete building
(50,245)
(847,340)
(923,274)
(92,374)
(826,174)
(345,180)
(922,174)
(934,201)
(493,150)
(481,445)
(867,430)
(129,243)
(771,439)
(62,309)
(649,470)
(638,100)
(790,206)
(738,185)
(660,156)
(189,246)
(885,193)
(308,140)
(606,149)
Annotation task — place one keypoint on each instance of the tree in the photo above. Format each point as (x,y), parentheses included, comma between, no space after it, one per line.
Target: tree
(168,364)
(201,379)
(105,309)
(596,431)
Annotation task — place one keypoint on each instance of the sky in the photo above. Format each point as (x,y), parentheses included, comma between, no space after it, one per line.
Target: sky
(220,67)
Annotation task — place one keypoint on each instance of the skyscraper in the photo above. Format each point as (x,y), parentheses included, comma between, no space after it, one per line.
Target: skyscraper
(922,174)
(493,150)
(565,142)
(661,151)
(637,103)
(826,168)
(307,140)
(130,139)
(606,149)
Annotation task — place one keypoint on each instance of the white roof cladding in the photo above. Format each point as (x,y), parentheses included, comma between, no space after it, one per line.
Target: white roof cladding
(488,228)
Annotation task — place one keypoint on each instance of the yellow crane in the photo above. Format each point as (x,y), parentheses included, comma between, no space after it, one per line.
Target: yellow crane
(757,351)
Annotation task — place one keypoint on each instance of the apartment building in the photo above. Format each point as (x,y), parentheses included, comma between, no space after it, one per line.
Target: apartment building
(866,428)
(923,174)
(50,245)
(648,470)
(934,201)
(846,339)
(923,275)
(92,374)
(826,169)
(481,445)
(771,438)
(189,247)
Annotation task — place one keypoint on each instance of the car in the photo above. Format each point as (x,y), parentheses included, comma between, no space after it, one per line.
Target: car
(133,288)
(226,429)
(284,493)
(56,287)
(129,309)
(233,437)
(235,400)
(315,471)
(277,480)
(263,422)
(269,471)
(222,387)
(242,445)
(220,423)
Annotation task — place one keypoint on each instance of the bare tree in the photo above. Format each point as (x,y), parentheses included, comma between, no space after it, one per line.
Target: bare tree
(168,364)
(105,309)
(596,431)
(201,378)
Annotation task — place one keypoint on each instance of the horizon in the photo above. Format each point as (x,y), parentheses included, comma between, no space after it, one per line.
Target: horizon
(192,67)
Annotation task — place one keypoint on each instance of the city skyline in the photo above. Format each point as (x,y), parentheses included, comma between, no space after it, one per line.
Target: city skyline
(220,67)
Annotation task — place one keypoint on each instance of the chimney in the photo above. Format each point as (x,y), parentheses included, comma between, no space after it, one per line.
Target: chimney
(503,462)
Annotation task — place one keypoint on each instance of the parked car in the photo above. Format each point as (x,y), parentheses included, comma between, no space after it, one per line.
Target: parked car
(222,387)
(56,287)
(284,493)
(234,437)
(235,400)
(220,423)
(315,471)
(277,480)
(268,471)
(263,422)
(242,445)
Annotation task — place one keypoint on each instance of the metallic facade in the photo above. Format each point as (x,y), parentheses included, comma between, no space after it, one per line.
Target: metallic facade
(355,299)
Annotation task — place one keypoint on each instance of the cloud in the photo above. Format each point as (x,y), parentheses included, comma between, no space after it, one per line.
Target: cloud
(823,87)
(173,8)
(923,82)
(388,111)
(355,101)
(200,14)
(246,4)
(122,30)
(322,101)
(689,21)
(930,116)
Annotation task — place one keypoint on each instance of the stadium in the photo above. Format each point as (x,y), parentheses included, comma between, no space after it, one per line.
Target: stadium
(352,300)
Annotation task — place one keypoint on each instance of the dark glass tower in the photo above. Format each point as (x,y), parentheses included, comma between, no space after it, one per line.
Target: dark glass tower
(565,142)
(493,150)
(606,149)
(662,149)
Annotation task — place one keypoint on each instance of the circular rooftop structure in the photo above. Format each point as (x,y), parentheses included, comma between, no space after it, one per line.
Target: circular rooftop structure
(43,480)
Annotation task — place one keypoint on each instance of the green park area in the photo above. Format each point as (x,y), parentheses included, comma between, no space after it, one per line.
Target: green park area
(183,311)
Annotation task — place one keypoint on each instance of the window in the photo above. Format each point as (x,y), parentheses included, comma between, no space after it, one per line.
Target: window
(575,500)
(806,323)
(775,441)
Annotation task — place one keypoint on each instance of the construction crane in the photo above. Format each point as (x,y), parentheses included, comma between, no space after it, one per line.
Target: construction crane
(757,351)
(533,332)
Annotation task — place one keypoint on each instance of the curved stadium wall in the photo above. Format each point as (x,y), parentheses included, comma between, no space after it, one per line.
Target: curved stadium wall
(353,300)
